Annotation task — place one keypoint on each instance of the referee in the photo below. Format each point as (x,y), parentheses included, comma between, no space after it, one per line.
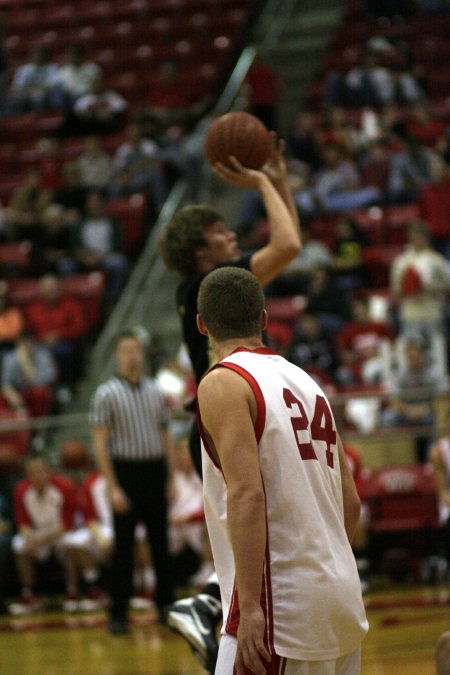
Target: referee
(129,422)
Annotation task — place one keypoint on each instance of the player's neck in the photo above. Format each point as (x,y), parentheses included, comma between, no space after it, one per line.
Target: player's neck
(223,349)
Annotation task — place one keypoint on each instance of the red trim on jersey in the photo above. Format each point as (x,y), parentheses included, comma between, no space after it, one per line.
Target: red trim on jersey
(267,580)
(211,454)
(260,402)
(277,666)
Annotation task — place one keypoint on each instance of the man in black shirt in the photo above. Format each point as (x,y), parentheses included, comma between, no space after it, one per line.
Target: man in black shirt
(193,243)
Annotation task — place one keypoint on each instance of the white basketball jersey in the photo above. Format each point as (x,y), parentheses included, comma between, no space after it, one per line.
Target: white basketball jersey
(444,449)
(311,592)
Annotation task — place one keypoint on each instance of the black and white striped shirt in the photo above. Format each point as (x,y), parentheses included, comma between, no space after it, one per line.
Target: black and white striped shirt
(135,415)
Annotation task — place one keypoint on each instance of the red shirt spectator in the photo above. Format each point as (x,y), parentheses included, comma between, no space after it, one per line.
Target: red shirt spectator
(58,322)
(59,316)
(359,341)
(51,507)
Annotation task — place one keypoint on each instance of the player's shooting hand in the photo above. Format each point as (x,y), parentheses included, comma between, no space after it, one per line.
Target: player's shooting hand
(239,175)
(251,651)
(275,167)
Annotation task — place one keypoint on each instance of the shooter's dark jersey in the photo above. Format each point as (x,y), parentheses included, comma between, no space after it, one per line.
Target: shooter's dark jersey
(187,293)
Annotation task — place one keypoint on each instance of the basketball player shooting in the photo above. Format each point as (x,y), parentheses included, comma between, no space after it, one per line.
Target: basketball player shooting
(195,242)
(280,502)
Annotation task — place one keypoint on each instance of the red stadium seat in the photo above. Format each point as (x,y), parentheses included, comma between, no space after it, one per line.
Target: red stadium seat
(403,509)
(130,212)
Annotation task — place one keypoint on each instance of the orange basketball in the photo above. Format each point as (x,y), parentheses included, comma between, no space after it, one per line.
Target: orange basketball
(74,454)
(239,134)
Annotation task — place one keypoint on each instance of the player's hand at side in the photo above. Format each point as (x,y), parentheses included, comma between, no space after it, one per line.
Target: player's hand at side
(275,166)
(251,651)
(239,175)
(119,500)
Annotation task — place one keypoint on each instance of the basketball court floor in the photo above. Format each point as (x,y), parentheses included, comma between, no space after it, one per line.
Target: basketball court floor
(405,623)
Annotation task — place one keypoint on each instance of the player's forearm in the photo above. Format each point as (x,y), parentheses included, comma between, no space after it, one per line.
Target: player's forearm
(283,227)
(247,529)
(103,460)
(286,195)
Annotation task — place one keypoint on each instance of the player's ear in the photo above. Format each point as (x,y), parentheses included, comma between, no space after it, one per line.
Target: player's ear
(201,326)
(263,319)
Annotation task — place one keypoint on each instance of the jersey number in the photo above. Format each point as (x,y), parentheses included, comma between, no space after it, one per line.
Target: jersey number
(320,429)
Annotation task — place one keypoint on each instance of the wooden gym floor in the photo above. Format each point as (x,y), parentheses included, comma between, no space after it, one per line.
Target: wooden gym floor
(405,623)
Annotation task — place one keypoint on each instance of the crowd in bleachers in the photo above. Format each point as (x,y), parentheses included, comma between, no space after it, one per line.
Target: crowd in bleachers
(91,140)
(369,167)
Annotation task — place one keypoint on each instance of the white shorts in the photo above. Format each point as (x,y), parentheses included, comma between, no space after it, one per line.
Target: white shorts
(44,552)
(350,664)
(84,538)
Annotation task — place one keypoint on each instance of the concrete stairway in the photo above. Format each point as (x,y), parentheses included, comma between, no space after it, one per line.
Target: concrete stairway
(302,36)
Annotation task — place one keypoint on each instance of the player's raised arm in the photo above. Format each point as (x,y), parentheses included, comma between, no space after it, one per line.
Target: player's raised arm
(284,231)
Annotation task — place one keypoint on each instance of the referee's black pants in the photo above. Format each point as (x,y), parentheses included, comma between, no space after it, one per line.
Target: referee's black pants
(145,486)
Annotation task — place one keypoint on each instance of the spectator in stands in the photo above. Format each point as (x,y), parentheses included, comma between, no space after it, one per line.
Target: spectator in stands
(51,252)
(100,111)
(58,322)
(336,186)
(76,77)
(419,282)
(328,302)
(339,129)
(28,375)
(95,164)
(374,165)
(45,505)
(137,167)
(313,349)
(423,127)
(368,83)
(359,344)
(304,139)
(415,388)
(97,245)
(434,202)
(72,195)
(410,171)
(4,65)
(33,83)
(295,278)
(26,208)
(263,87)
(12,321)
(348,246)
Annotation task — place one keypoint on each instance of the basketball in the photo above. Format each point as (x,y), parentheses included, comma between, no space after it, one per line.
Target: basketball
(74,454)
(239,134)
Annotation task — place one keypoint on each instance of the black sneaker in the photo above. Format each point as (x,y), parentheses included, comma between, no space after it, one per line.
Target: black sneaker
(195,619)
(118,626)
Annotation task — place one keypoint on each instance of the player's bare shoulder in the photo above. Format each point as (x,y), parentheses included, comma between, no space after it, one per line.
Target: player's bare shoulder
(221,386)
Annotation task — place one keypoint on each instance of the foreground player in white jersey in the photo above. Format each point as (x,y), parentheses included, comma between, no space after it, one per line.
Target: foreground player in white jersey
(280,502)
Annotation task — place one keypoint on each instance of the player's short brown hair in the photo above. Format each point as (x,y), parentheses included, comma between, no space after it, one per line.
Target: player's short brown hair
(182,235)
(230,303)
